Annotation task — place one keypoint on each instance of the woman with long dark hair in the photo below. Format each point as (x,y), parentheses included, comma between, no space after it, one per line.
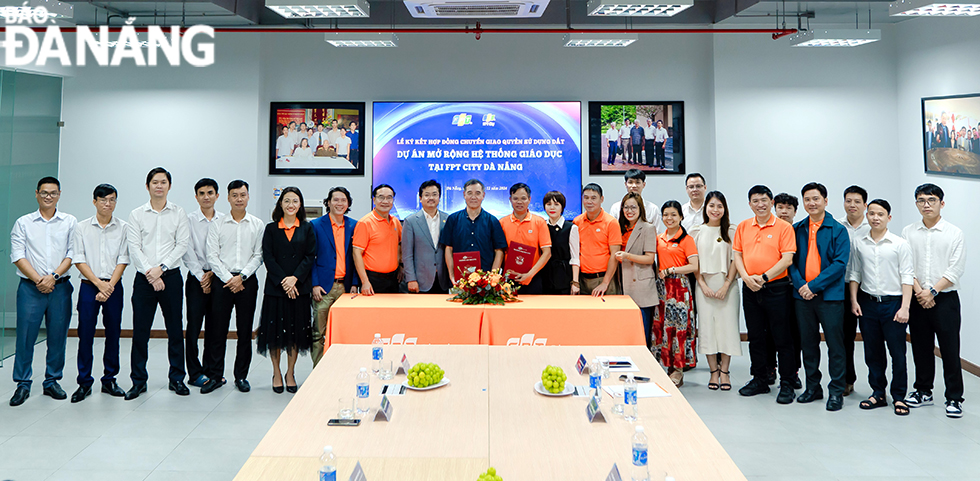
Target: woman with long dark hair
(288,250)
(717,291)
(637,260)
(674,330)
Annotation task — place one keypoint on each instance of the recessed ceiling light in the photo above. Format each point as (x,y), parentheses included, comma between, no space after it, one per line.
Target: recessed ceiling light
(619,8)
(598,40)
(834,38)
(319,8)
(929,8)
(341,39)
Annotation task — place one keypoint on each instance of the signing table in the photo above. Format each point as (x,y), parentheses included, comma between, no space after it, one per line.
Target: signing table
(536,320)
(489,415)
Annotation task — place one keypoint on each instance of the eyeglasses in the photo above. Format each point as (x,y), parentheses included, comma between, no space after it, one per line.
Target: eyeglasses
(48,195)
(106,201)
(631,207)
(929,201)
(384,198)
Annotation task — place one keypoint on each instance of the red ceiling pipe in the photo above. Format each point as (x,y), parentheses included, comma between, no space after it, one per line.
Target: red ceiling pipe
(776,32)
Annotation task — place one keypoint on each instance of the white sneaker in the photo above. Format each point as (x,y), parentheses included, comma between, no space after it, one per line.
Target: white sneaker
(953,409)
(918,399)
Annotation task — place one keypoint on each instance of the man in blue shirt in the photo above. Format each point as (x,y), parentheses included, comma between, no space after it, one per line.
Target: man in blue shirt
(473,229)
(355,151)
(823,248)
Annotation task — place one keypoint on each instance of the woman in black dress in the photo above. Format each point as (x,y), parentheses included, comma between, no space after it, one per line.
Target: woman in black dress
(288,250)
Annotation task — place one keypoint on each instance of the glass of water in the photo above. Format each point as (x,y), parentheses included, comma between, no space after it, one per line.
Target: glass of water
(386,373)
(346,408)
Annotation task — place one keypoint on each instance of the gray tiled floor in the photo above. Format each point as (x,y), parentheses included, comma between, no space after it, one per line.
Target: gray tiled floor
(161,437)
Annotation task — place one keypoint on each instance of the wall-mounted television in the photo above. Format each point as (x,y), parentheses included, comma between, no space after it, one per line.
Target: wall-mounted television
(499,143)
(636,135)
(951,135)
(316,138)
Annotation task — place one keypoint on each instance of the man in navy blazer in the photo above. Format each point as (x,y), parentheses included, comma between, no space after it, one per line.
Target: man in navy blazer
(424,259)
(823,248)
(333,273)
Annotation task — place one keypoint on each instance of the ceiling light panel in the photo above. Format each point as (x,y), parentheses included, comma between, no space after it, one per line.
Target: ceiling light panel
(341,39)
(618,8)
(834,38)
(928,8)
(320,8)
(598,40)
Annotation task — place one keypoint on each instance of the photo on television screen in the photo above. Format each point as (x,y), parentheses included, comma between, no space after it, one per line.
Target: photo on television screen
(951,135)
(316,138)
(636,135)
(499,143)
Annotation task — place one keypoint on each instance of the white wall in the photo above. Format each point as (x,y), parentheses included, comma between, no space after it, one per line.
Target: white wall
(930,63)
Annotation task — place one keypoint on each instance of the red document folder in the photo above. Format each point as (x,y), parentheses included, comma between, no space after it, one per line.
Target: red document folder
(520,258)
(465,260)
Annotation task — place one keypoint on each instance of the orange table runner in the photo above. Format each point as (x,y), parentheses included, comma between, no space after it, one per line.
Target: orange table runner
(564,320)
(403,319)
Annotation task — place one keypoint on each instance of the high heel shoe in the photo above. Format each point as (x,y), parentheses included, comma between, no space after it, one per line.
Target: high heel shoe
(725,386)
(292,389)
(713,385)
(277,389)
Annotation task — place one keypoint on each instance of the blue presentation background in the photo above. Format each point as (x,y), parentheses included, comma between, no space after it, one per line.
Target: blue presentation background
(522,120)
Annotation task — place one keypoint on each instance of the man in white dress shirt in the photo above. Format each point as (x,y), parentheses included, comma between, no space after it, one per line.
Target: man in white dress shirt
(234,251)
(649,133)
(939,253)
(855,204)
(624,140)
(158,235)
(660,145)
(40,247)
(101,257)
(881,265)
(636,181)
(197,288)
(695,185)
(612,137)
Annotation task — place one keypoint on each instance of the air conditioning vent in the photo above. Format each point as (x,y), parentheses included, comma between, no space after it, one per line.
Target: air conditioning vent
(476,8)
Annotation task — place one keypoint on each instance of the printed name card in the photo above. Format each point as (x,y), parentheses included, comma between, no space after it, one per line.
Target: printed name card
(593,412)
(582,365)
(405,366)
(358,474)
(614,474)
(384,413)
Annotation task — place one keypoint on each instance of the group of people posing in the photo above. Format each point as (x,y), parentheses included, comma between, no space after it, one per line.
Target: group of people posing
(679,263)
(631,140)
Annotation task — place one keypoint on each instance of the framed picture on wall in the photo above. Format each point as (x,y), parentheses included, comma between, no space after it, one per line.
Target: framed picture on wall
(951,135)
(636,135)
(316,138)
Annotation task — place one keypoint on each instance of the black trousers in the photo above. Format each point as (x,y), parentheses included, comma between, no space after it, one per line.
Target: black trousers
(767,311)
(811,315)
(216,329)
(942,323)
(436,288)
(651,156)
(637,156)
(661,154)
(145,301)
(198,312)
(879,329)
(383,283)
(850,333)
(795,333)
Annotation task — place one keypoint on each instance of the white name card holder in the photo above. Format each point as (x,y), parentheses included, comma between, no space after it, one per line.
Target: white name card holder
(614,474)
(358,474)
(384,413)
(404,367)
(593,412)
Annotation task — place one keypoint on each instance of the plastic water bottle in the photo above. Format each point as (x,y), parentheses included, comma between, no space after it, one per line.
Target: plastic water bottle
(363,391)
(595,379)
(328,465)
(629,397)
(640,471)
(377,354)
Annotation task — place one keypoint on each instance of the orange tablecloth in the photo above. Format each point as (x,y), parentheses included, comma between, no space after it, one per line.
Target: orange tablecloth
(564,320)
(403,319)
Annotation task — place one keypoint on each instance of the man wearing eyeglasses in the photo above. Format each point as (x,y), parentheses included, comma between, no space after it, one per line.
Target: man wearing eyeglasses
(376,245)
(939,256)
(41,248)
(101,255)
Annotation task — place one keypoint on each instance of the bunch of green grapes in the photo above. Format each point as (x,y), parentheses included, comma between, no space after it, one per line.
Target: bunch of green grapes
(553,378)
(490,475)
(424,374)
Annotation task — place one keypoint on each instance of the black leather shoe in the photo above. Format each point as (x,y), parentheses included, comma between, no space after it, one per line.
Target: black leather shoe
(113,389)
(797,384)
(81,393)
(809,396)
(135,391)
(180,388)
(20,395)
(753,387)
(243,385)
(211,385)
(55,392)
(835,402)
(786,394)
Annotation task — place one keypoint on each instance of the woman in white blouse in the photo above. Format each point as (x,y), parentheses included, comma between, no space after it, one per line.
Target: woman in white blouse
(717,292)
(303,151)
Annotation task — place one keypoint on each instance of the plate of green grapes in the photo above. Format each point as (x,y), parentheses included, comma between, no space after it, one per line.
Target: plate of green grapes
(425,376)
(552,383)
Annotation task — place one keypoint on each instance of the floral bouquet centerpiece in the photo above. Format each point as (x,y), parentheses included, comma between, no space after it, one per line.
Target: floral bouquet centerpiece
(476,286)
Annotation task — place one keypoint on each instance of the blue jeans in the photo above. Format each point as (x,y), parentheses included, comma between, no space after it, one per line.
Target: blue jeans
(879,329)
(647,314)
(88,318)
(55,309)
(613,150)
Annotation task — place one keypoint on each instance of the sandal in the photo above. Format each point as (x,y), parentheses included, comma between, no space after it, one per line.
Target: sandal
(901,408)
(713,385)
(677,377)
(872,403)
(725,386)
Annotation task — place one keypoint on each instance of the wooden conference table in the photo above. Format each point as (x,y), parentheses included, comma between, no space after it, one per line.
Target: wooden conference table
(489,415)
(536,320)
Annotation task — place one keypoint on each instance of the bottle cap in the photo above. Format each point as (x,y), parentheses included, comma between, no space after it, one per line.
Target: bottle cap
(629,376)
(639,429)
(377,335)
(327,449)
(363,369)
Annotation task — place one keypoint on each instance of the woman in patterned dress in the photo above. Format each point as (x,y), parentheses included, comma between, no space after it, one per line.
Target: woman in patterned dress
(674,330)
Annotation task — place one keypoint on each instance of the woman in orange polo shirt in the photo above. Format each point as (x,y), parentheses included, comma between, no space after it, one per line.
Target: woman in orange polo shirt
(674,332)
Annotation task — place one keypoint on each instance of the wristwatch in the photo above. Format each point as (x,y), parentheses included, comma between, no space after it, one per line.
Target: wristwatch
(164,267)
(765,278)
(932,290)
(58,276)
(244,277)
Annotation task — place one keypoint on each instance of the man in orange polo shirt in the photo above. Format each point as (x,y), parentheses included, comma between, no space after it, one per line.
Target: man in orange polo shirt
(376,245)
(600,238)
(523,227)
(764,246)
